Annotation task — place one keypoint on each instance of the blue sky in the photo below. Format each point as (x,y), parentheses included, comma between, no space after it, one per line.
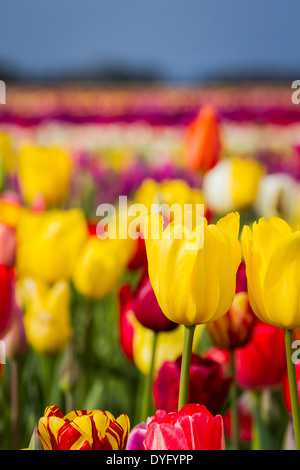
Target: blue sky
(178,39)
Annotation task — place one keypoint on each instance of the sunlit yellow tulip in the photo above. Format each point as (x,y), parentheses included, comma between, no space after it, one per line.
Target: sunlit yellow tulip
(232,184)
(44,172)
(272,255)
(194,286)
(99,266)
(47,314)
(168,192)
(49,243)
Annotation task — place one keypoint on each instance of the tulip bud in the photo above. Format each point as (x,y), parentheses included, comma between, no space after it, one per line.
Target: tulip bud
(235,328)
(203,142)
(126,330)
(147,310)
(7,289)
(44,172)
(207,385)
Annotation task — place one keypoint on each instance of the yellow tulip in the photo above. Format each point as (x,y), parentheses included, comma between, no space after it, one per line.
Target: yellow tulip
(194,286)
(272,256)
(7,153)
(47,314)
(44,172)
(168,192)
(100,265)
(10,213)
(232,184)
(49,243)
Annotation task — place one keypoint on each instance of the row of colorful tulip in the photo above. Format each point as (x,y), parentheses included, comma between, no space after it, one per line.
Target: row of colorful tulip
(186,347)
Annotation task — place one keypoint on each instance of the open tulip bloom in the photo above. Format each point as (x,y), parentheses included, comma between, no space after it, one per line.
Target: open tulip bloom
(272,255)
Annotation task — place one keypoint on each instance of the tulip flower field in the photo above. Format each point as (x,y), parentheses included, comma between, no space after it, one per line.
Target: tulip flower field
(122,326)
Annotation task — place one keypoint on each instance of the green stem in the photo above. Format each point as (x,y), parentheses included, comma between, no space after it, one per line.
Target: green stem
(288,335)
(14,390)
(234,405)
(69,401)
(89,316)
(147,395)
(185,365)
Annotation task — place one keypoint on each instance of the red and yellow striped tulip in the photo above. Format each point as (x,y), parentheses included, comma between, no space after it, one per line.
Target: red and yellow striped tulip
(83,430)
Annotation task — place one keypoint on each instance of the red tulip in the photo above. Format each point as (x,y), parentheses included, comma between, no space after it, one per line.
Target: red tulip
(191,428)
(147,310)
(202,142)
(241,278)
(207,386)
(262,362)
(126,330)
(7,288)
(139,259)
(222,356)
(286,389)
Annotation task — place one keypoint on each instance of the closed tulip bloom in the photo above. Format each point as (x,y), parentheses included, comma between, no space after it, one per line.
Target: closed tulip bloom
(49,243)
(7,293)
(202,145)
(232,184)
(47,315)
(207,384)
(126,329)
(44,172)
(262,362)
(147,310)
(191,428)
(235,328)
(167,193)
(139,257)
(83,430)
(194,285)
(272,255)
(99,266)
(241,278)
(136,340)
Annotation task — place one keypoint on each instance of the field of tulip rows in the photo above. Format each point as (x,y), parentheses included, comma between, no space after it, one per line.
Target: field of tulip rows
(187,340)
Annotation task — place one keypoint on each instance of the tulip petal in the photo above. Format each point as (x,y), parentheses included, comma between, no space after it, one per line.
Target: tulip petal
(282,284)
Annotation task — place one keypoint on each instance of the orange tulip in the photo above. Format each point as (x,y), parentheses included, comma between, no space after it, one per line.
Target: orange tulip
(202,143)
